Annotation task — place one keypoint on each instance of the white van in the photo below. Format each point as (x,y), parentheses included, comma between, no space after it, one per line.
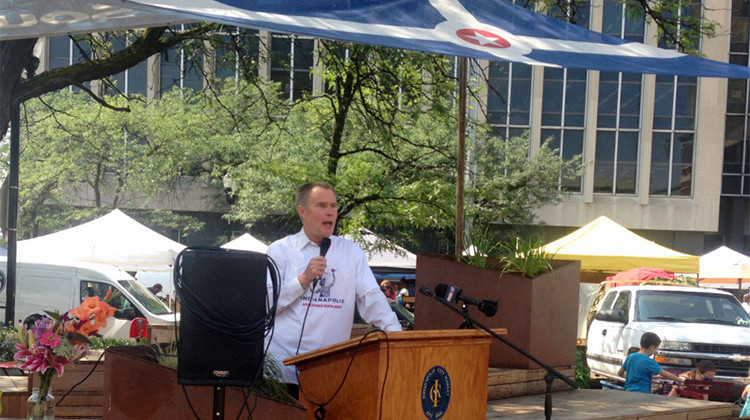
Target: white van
(46,286)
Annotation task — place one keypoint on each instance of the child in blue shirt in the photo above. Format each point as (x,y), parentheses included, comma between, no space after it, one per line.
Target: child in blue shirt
(639,367)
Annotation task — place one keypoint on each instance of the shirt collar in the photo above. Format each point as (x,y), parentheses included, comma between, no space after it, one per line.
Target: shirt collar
(301,241)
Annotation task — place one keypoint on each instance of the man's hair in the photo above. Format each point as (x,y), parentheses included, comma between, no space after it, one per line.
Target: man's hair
(158,286)
(746,297)
(649,339)
(300,197)
(705,366)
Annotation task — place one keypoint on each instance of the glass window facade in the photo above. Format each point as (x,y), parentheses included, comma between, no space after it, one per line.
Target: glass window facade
(65,51)
(237,54)
(291,64)
(509,98)
(131,81)
(181,68)
(563,111)
(618,122)
(672,147)
(564,99)
(736,168)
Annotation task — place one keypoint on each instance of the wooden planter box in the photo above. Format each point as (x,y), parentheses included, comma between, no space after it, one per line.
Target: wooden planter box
(137,388)
(15,394)
(541,314)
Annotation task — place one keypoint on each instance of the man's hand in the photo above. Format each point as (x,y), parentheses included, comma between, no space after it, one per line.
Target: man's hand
(315,268)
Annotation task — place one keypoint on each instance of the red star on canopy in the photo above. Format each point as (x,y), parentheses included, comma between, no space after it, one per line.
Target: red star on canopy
(482,38)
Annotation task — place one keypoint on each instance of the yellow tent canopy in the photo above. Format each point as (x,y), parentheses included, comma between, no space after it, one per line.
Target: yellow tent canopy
(608,246)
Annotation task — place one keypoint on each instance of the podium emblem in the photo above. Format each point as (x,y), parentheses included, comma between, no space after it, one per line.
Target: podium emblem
(436,392)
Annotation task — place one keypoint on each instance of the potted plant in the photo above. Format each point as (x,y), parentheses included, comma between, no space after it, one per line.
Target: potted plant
(537,297)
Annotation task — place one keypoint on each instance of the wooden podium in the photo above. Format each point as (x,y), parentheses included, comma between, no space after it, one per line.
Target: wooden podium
(430,374)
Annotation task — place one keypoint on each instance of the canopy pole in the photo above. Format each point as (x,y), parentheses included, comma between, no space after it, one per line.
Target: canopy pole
(15,134)
(461,155)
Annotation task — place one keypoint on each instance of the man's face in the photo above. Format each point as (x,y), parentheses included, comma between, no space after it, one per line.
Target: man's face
(319,214)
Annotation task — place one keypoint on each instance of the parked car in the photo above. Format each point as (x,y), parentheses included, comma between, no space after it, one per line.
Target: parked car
(694,324)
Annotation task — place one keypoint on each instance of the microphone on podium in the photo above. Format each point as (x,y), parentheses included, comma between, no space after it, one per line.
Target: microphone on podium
(325,243)
(453,294)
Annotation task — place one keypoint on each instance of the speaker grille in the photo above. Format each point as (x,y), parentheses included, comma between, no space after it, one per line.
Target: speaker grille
(223,308)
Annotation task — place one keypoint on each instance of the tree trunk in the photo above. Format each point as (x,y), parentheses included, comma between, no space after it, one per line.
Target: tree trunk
(15,56)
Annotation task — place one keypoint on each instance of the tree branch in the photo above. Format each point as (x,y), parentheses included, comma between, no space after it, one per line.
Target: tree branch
(101,101)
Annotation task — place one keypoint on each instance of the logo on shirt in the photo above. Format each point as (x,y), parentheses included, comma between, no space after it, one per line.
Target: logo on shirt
(436,392)
(326,283)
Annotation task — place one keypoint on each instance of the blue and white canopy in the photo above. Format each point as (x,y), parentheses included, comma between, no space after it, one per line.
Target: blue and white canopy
(489,29)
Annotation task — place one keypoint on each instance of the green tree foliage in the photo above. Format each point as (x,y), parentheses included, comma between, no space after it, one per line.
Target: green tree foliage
(391,156)
(508,184)
(75,152)
(382,133)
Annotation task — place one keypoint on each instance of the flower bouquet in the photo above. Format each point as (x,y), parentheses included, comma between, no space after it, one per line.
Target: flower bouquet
(49,342)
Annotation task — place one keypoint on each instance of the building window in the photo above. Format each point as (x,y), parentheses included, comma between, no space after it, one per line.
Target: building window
(65,51)
(563,110)
(237,54)
(131,81)
(674,129)
(616,161)
(572,11)
(291,64)
(181,68)
(60,52)
(564,98)
(736,169)
(509,99)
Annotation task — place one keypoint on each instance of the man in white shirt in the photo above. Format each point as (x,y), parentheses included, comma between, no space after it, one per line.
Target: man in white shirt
(343,279)
(746,302)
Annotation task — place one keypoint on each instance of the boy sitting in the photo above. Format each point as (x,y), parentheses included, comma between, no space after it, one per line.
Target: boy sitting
(639,367)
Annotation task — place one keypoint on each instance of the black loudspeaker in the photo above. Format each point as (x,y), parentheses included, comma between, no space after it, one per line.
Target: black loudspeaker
(222,294)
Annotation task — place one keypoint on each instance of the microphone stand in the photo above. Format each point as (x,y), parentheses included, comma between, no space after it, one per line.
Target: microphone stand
(467,324)
(552,373)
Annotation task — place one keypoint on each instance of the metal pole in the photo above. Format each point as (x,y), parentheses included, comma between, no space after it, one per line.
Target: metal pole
(461,154)
(15,124)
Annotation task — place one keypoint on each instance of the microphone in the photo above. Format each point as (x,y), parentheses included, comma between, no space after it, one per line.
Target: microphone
(453,294)
(325,243)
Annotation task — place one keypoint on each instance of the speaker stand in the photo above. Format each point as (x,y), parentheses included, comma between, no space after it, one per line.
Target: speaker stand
(218,403)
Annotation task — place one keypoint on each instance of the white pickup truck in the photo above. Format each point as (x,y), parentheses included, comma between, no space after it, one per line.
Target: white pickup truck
(694,324)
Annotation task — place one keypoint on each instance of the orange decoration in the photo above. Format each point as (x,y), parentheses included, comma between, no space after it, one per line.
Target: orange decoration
(94,312)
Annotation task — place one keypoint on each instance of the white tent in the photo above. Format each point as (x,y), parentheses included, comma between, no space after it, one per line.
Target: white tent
(724,267)
(383,254)
(246,242)
(114,239)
